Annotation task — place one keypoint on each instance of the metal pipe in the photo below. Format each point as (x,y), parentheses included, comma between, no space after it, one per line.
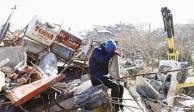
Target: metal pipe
(145,74)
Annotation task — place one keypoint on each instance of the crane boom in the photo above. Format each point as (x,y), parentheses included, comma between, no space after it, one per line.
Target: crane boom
(169,28)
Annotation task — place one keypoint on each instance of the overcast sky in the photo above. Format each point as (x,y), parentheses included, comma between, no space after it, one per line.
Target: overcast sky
(83,14)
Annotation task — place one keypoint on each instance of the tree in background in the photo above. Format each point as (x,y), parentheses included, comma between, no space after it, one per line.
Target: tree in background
(150,45)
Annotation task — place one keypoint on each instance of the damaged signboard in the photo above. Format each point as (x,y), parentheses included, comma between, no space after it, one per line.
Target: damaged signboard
(69,40)
(41,31)
(31,45)
(62,51)
(65,45)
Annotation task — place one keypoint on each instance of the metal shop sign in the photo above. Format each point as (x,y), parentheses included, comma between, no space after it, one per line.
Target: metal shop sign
(69,40)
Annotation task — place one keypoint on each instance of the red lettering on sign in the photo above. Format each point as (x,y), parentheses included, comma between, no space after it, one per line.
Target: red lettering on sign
(69,40)
(44,33)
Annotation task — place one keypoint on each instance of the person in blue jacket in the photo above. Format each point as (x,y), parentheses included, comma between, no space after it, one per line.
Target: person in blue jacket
(98,70)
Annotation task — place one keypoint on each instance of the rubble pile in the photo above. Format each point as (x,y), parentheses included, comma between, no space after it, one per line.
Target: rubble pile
(41,69)
(29,64)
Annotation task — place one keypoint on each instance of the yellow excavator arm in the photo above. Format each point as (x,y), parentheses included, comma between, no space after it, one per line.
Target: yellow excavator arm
(169,28)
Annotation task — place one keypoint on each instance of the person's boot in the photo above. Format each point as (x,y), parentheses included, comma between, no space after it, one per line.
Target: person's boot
(121,108)
(116,107)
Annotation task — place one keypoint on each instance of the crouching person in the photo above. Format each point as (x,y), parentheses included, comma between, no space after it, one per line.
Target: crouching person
(98,70)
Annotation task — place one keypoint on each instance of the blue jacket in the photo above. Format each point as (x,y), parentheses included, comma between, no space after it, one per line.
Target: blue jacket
(98,62)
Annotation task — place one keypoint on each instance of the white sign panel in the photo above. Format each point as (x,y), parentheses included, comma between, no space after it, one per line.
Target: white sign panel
(41,32)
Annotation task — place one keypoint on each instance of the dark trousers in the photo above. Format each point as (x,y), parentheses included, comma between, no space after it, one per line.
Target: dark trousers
(116,88)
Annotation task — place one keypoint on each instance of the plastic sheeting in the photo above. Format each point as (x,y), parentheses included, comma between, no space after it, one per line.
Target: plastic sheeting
(48,64)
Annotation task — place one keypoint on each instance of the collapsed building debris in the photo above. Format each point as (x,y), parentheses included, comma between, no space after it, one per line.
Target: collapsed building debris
(29,66)
(36,78)
(31,78)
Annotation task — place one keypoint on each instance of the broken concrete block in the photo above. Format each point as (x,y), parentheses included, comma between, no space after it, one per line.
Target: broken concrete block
(15,56)
(90,98)
(145,88)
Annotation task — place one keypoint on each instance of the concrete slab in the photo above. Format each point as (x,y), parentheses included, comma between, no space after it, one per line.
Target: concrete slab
(132,105)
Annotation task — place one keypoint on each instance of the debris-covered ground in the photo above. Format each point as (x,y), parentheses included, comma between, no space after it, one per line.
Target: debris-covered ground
(44,68)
